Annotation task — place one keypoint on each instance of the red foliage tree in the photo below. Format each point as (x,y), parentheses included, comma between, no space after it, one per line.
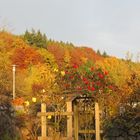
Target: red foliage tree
(86,80)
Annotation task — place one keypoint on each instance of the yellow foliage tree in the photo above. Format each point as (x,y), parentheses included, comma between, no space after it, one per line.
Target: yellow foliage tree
(5,73)
(35,80)
(48,58)
(118,69)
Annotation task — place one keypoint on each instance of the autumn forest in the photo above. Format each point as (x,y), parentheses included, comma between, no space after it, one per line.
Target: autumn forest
(47,70)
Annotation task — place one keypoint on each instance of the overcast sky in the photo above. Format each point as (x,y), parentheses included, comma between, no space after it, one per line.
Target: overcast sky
(110,25)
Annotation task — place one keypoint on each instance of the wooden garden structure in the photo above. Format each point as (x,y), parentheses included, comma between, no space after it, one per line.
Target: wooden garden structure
(83,118)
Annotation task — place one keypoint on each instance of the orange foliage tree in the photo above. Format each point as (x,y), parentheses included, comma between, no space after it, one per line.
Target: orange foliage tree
(23,57)
(58,53)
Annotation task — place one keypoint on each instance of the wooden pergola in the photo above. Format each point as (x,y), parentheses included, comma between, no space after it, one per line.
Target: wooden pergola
(72,121)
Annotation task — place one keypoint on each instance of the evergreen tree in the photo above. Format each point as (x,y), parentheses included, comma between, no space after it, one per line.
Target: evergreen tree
(35,38)
(105,54)
(98,52)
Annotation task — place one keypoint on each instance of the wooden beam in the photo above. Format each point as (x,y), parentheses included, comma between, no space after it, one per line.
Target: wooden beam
(87,112)
(89,131)
(54,113)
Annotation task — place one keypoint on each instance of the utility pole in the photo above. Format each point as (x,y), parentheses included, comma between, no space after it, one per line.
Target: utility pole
(14,81)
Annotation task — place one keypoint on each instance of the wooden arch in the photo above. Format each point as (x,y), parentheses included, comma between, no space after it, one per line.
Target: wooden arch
(74,106)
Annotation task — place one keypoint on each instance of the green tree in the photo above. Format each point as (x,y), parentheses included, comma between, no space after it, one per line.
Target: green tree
(125,124)
(8,128)
(98,52)
(35,38)
(105,54)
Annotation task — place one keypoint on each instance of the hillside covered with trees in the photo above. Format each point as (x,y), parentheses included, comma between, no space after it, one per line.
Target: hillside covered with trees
(58,68)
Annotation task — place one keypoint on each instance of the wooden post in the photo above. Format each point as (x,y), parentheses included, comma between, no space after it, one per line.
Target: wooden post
(76,131)
(97,121)
(69,120)
(43,122)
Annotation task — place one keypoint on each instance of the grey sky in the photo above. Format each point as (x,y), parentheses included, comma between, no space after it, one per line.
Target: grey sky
(110,25)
